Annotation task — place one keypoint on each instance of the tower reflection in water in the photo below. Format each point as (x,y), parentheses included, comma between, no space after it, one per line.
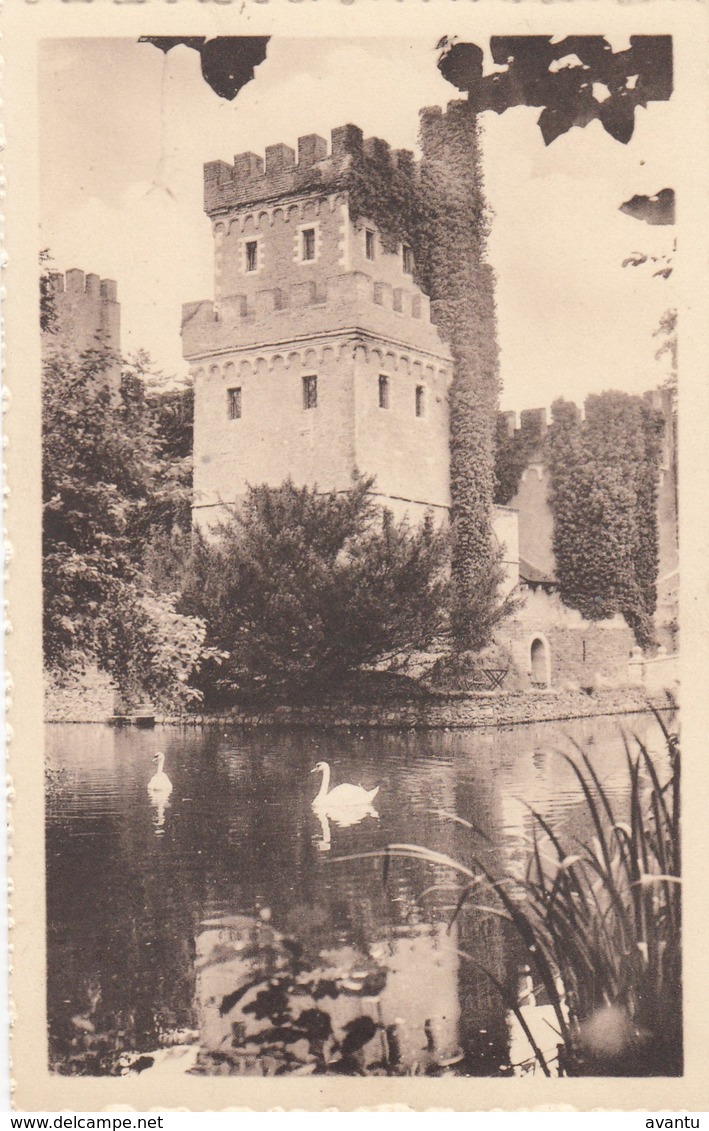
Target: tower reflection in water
(260,1004)
(394,977)
(156,904)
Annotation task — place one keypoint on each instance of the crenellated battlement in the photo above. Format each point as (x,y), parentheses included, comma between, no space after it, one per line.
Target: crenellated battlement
(87,311)
(532,422)
(350,299)
(319,353)
(75,282)
(282,172)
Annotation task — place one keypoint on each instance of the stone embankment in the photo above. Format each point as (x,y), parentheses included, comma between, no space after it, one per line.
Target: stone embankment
(453,709)
(91,700)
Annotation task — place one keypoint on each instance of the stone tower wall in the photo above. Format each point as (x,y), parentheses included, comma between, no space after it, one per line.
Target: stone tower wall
(536,522)
(275,437)
(88,314)
(345,317)
(404,449)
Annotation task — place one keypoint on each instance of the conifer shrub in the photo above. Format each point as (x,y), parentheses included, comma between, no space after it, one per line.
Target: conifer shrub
(300,589)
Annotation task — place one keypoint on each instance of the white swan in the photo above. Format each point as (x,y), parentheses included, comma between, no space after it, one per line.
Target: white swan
(344,796)
(160,782)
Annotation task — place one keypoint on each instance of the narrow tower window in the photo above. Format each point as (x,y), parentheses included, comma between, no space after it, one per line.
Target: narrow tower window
(420,400)
(369,243)
(408,257)
(234,404)
(309,243)
(383,391)
(310,392)
(251,255)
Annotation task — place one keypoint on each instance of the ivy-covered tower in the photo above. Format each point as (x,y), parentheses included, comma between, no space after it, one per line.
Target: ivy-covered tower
(318,355)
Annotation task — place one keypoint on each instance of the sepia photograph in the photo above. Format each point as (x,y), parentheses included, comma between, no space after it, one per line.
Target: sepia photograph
(360,497)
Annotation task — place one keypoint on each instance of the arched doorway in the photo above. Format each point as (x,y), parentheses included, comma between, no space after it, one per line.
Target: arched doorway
(540,668)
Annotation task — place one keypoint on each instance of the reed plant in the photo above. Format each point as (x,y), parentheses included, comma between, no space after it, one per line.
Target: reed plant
(599,920)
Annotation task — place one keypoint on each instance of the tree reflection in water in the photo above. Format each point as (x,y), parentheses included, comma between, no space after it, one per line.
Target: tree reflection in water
(141,899)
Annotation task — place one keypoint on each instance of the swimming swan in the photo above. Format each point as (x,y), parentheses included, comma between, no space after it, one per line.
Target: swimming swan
(342,796)
(160,782)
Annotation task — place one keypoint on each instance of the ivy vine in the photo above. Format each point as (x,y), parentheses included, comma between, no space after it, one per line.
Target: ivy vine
(513,452)
(437,206)
(604,475)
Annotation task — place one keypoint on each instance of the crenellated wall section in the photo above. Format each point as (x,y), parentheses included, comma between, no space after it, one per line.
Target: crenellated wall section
(283,172)
(88,314)
(299,309)
(536,524)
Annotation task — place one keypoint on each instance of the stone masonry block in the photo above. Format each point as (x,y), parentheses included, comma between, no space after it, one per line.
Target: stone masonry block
(75,281)
(109,290)
(218,172)
(247,166)
(232,308)
(303,294)
(264,302)
(383,295)
(311,148)
(279,158)
(347,140)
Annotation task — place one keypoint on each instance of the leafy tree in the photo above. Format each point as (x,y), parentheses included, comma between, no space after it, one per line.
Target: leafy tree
(667,333)
(604,478)
(47,306)
(301,588)
(104,485)
(228,61)
(171,411)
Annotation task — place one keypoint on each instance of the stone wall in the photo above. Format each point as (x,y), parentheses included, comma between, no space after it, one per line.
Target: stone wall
(287,298)
(407,453)
(275,436)
(579,652)
(536,523)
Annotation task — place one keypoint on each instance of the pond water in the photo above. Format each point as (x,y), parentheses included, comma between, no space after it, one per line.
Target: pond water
(156,908)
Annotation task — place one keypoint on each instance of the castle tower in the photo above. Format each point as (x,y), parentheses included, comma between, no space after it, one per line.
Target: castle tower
(317,356)
(87,311)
